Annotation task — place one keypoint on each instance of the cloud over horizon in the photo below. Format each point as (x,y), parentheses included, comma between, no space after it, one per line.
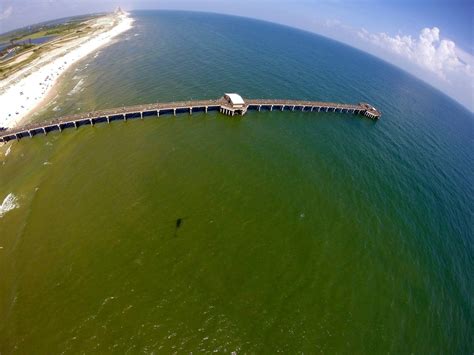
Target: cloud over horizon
(428,51)
(439,57)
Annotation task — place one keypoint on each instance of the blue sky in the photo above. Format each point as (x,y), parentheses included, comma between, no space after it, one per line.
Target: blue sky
(432,39)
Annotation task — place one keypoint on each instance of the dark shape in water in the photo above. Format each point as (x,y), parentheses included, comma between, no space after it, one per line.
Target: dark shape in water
(178,224)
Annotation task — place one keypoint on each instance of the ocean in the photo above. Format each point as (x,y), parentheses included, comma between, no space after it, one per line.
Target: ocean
(299,232)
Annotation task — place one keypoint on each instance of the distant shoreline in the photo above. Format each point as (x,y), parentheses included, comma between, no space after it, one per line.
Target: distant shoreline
(28,88)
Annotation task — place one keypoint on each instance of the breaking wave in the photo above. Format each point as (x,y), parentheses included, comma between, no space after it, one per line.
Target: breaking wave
(9,203)
(77,88)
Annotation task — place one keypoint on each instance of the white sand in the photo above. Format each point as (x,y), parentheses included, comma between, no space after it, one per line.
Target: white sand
(27,89)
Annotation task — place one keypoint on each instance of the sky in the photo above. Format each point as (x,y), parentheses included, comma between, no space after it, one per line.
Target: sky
(431,39)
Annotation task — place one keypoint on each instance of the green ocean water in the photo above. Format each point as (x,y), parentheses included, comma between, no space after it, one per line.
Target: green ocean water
(300,233)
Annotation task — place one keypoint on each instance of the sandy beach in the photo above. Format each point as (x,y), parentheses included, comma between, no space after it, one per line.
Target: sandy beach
(24,91)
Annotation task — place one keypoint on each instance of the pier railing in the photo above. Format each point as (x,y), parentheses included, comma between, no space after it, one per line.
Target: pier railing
(172,108)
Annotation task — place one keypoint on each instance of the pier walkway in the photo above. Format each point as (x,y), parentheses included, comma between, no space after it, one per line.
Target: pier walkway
(230,104)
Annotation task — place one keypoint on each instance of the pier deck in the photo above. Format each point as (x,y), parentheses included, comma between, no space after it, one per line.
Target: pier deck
(172,108)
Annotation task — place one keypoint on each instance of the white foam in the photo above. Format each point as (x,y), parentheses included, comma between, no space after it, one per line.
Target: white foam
(77,87)
(8,150)
(9,203)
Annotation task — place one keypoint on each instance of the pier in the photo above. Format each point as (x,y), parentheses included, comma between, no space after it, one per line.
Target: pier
(229,104)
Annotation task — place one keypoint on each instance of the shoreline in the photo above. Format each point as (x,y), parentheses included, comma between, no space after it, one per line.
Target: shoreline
(27,89)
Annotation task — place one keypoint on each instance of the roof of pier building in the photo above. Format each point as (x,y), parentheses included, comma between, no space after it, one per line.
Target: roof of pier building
(235,99)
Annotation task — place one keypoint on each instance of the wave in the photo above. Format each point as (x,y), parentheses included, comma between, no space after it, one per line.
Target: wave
(76,88)
(9,203)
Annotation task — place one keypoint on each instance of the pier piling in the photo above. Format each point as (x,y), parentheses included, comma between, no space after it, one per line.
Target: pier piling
(223,105)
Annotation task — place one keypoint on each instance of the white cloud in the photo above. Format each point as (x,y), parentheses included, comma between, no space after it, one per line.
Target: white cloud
(428,51)
(449,66)
(6,13)
(428,56)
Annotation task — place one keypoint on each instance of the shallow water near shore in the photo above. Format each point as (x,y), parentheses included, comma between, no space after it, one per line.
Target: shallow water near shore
(299,232)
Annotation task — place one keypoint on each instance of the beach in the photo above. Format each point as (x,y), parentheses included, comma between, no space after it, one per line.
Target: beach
(27,89)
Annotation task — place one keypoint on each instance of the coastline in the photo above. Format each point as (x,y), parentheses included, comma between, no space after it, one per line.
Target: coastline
(30,87)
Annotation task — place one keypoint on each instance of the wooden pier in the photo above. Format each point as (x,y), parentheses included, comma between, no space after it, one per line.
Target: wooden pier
(230,104)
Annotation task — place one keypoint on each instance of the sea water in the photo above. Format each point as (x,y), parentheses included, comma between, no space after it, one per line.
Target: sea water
(299,232)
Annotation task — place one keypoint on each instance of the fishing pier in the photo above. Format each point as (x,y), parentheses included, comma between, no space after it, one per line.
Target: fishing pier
(229,104)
